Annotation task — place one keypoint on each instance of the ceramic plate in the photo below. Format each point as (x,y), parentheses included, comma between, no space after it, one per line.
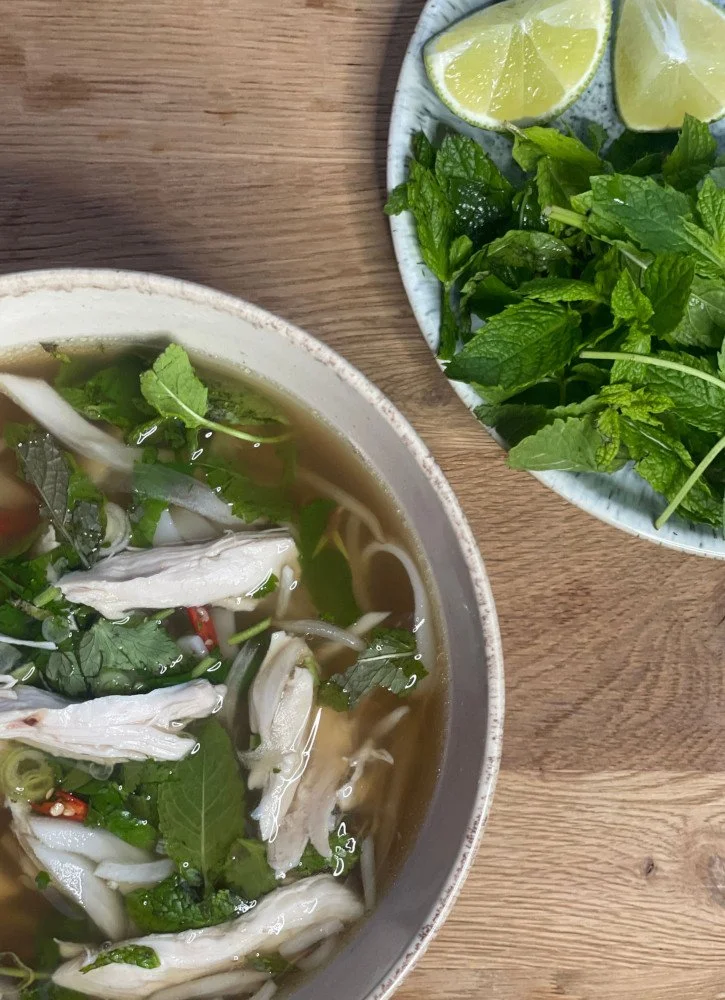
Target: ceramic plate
(623,499)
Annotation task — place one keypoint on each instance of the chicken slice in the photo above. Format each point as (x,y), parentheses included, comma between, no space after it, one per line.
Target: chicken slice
(280,710)
(227,571)
(113,729)
(279,917)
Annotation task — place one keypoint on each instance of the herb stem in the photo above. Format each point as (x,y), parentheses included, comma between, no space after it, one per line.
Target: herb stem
(25,973)
(566,217)
(249,633)
(212,425)
(646,359)
(203,665)
(689,483)
(47,597)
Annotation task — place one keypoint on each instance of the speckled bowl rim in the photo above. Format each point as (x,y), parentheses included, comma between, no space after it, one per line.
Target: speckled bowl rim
(622,499)
(23,283)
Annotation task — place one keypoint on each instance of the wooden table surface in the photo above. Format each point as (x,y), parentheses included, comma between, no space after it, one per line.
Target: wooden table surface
(241,143)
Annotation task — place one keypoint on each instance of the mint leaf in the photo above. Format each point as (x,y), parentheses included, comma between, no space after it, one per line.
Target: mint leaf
(703,322)
(390,662)
(533,143)
(201,812)
(397,200)
(433,219)
(519,346)
(177,904)
(423,150)
(487,296)
(567,445)
(665,463)
(479,194)
(172,388)
(693,156)
(247,871)
(640,153)
(240,406)
(558,182)
(699,403)
(129,954)
(711,207)
(667,283)
(649,214)
(250,501)
(628,302)
(111,395)
(325,569)
(560,290)
(528,248)
(344,855)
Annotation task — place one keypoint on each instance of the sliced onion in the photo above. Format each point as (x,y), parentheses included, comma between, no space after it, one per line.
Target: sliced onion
(423,628)
(193,527)
(118,530)
(70,949)
(48,408)
(166,531)
(361,627)
(225,625)
(161,482)
(238,674)
(345,500)
(193,645)
(222,984)
(367,873)
(322,630)
(287,585)
(309,937)
(132,876)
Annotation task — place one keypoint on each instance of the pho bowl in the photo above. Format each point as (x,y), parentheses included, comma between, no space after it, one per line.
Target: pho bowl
(107,308)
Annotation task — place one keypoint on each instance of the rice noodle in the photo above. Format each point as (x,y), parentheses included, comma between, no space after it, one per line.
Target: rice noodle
(423,626)
(309,937)
(367,873)
(322,630)
(345,500)
(388,723)
(134,876)
(27,642)
(48,408)
(360,628)
(320,955)
(287,584)
(240,981)
(266,993)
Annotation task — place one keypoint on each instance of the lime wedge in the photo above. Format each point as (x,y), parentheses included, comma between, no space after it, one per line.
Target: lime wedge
(668,61)
(518,61)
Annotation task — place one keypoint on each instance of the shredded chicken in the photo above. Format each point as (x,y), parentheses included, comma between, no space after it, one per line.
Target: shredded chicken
(280,711)
(113,729)
(279,917)
(226,572)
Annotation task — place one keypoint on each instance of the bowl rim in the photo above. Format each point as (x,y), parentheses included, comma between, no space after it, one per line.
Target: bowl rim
(69,279)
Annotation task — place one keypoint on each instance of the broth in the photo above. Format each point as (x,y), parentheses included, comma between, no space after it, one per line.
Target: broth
(390,799)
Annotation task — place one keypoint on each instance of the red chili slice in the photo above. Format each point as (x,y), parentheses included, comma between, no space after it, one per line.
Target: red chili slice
(62,805)
(203,625)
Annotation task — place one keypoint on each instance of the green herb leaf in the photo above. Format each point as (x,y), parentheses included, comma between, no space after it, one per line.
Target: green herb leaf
(172,388)
(667,283)
(249,500)
(247,870)
(477,190)
(693,156)
(528,248)
(703,322)
(177,904)
(241,406)
(325,570)
(145,518)
(533,143)
(139,650)
(111,395)
(628,302)
(648,213)
(696,401)
(202,811)
(640,153)
(571,445)
(128,954)
(560,290)
(397,200)
(390,662)
(433,219)
(344,855)
(519,346)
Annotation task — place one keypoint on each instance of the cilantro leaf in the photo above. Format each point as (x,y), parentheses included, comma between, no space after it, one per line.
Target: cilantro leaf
(571,445)
(247,870)
(325,569)
(693,156)
(519,346)
(201,812)
(177,904)
(127,954)
(390,662)
(172,388)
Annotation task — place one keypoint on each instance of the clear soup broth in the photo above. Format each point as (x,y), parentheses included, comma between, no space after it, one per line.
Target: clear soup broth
(222,688)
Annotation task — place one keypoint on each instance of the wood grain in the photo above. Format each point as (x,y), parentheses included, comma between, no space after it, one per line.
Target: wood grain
(242,143)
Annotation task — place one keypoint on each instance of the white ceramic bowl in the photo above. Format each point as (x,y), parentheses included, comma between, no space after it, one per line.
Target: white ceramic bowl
(624,499)
(63,305)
